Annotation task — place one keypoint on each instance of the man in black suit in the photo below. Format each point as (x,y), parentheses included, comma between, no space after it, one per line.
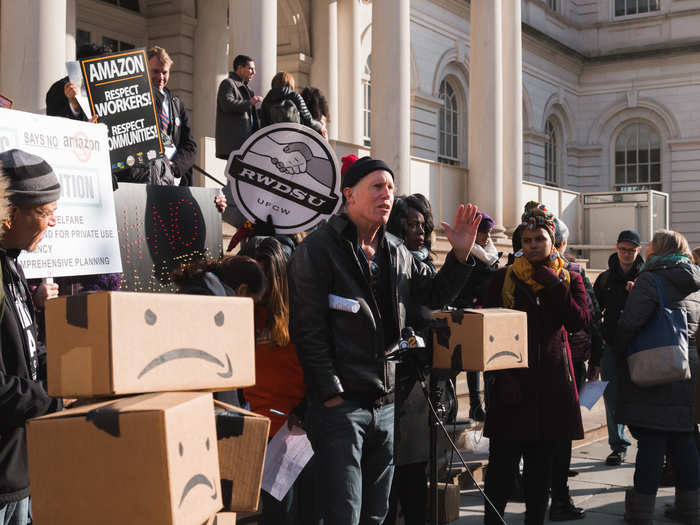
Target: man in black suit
(173,119)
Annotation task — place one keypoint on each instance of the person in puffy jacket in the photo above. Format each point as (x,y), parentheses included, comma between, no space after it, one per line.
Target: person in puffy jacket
(529,410)
(661,417)
(283,104)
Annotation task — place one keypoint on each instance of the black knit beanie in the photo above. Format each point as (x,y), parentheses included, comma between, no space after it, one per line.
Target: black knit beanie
(31,180)
(361,167)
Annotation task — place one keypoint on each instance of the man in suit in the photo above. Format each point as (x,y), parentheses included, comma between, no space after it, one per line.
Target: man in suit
(173,119)
(236,116)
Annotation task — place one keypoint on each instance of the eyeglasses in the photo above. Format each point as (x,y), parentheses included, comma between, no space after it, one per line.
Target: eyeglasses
(628,250)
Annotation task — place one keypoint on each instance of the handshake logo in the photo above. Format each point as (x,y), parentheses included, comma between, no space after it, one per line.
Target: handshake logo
(287,171)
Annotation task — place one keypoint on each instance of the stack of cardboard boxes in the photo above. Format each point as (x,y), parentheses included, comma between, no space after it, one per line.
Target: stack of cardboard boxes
(154,449)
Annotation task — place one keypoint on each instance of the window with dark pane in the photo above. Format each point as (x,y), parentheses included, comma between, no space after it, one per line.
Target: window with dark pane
(635,7)
(131,5)
(449,125)
(638,158)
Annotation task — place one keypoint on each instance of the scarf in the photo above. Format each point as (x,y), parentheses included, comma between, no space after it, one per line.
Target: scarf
(670,260)
(524,270)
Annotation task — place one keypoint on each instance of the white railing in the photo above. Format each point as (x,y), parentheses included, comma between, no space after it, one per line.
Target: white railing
(565,204)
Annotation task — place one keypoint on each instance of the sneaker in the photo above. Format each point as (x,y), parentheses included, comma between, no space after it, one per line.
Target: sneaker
(615,458)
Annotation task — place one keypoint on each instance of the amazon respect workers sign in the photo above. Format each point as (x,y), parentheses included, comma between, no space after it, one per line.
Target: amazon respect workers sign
(84,240)
(119,91)
(287,171)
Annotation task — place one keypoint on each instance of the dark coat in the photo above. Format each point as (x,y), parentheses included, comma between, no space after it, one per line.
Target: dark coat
(236,117)
(663,407)
(180,131)
(57,104)
(472,294)
(343,352)
(278,95)
(611,291)
(538,402)
(22,397)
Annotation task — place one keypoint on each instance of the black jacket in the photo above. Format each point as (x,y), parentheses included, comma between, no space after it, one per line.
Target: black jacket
(278,95)
(236,117)
(342,352)
(611,292)
(180,131)
(472,294)
(22,397)
(663,407)
(57,104)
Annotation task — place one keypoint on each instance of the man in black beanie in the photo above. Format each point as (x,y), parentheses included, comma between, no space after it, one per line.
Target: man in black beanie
(33,191)
(350,385)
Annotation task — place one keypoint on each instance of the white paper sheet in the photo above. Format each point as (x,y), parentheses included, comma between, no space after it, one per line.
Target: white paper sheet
(343,304)
(591,393)
(287,454)
(75,76)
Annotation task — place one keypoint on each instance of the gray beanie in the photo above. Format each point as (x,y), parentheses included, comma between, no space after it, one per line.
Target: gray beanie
(31,180)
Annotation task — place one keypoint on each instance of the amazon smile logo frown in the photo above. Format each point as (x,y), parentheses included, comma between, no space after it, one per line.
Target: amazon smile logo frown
(186,353)
(197,479)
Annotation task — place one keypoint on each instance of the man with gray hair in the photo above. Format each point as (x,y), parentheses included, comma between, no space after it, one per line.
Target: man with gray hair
(33,191)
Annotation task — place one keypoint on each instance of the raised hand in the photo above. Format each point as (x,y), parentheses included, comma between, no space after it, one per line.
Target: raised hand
(463,233)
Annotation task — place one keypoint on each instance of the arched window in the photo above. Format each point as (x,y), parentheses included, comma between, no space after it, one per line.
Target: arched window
(638,158)
(449,125)
(551,154)
(367,102)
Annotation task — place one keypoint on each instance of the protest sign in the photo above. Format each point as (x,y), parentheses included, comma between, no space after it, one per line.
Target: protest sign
(162,227)
(84,240)
(287,171)
(119,90)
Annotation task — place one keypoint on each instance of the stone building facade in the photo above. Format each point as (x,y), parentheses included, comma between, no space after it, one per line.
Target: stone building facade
(611,88)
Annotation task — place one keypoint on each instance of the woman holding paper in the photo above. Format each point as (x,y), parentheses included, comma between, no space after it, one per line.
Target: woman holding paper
(528,409)
(279,388)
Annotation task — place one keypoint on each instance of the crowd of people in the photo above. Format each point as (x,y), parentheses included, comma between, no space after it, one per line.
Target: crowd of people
(324,370)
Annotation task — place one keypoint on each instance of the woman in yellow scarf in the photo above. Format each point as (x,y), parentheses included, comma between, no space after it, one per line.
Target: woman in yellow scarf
(528,410)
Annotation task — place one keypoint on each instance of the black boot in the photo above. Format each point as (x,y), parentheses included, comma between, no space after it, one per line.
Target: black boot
(565,510)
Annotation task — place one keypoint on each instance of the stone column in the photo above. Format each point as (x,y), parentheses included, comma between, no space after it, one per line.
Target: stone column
(211,64)
(391,88)
(253,32)
(486,110)
(71,29)
(350,63)
(33,47)
(324,68)
(512,116)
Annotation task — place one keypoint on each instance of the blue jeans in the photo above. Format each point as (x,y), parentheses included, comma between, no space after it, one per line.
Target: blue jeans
(608,372)
(652,446)
(15,513)
(354,461)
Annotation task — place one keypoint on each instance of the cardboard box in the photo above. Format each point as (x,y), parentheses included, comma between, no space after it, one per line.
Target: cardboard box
(480,339)
(222,518)
(448,502)
(114,343)
(242,437)
(149,459)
